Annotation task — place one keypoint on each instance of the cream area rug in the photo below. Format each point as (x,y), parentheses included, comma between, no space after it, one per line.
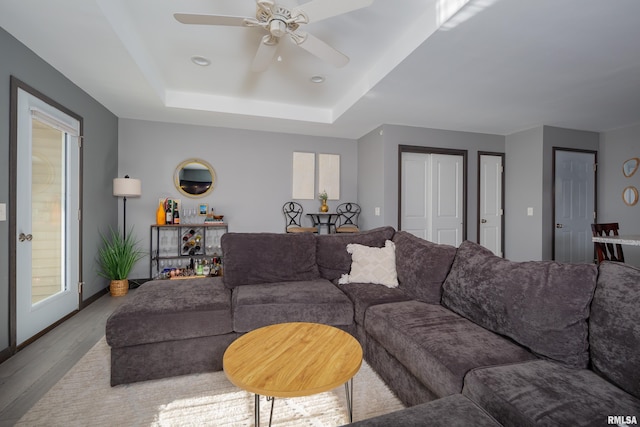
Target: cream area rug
(83,397)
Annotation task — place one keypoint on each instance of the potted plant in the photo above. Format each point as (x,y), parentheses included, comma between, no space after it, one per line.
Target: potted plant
(116,258)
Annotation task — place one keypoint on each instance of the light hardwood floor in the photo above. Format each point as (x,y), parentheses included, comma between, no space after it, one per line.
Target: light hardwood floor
(27,376)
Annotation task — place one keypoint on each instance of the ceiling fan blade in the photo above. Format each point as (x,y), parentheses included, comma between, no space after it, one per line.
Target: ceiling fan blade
(198,19)
(264,55)
(317,10)
(317,47)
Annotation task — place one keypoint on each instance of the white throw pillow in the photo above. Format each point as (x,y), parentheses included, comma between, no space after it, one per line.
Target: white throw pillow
(372,265)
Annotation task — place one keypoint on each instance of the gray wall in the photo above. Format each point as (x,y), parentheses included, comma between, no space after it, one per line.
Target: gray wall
(529,183)
(616,147)
(378,181)
(253,170)
(372,180)
(100,158)
(523,189)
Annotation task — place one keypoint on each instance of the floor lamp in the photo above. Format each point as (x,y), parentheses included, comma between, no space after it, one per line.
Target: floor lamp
(126,187)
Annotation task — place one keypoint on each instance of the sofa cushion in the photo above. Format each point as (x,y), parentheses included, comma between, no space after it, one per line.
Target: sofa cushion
(436,345)
(167,310)
(452,411)
(372,265)
(253,258)
(545,393)
(614,326)
(422,266)
(332,256)
(317,301)
(365,295)
(542,305)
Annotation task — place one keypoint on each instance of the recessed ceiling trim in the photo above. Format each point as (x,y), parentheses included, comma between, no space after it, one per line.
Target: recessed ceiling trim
(119,19)
(232,105)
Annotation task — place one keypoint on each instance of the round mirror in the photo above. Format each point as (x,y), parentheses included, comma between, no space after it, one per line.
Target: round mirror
(630,195)
(629,167)
(194,178)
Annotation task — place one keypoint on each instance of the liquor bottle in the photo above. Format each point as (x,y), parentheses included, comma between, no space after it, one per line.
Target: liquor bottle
(176,213)
(169,212)
(160,215)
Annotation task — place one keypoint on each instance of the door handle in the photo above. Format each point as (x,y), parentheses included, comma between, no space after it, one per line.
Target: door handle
(559,225)
(22,237)
(484,221)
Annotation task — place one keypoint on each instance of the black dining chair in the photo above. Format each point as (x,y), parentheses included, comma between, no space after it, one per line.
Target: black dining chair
(348,214)
(293,219)
(607,251)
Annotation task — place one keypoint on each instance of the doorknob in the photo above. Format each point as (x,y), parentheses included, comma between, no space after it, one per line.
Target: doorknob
(22,237)
(559,225)
(483,221)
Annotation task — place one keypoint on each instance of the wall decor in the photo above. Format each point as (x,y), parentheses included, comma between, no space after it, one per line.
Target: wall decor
(630,166)
(194,178)
(630,195)
(304,174)
(329,175)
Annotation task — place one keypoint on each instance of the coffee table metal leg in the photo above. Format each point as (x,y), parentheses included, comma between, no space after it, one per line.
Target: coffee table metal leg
(256,410)
(273,401)
(349,392)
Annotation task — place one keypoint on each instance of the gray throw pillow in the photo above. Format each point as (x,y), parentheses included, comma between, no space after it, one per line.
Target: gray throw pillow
(615,326)
(542,305)
(422,266)
(255,258)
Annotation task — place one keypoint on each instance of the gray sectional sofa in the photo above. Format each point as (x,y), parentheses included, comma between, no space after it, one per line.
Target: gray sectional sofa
(464,335)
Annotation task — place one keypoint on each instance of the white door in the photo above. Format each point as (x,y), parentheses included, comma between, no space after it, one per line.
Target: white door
(432,196)
(491,211)
(415,194)
(47,216)
(574,206)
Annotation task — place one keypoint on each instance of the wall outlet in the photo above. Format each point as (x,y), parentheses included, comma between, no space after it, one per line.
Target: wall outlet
(376,211)
(3,211)
(529,211)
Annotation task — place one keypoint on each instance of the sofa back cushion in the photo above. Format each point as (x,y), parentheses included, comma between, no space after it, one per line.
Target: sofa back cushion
(254,258)
(542,305)
(422,266)
(332,256)
(614,326)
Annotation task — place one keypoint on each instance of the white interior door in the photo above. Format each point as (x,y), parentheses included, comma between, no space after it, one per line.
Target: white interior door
(575,178)
(447,199)
(491,210)
(416,194)
(432,196)
(47,216)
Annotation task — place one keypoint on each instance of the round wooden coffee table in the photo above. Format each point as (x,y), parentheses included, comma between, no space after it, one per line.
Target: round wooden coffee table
(293,360)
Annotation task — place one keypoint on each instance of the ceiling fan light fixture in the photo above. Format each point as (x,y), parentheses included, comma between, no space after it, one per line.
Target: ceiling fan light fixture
(200,60)
(317,79)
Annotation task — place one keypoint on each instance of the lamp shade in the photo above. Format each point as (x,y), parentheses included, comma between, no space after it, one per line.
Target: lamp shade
(127,187)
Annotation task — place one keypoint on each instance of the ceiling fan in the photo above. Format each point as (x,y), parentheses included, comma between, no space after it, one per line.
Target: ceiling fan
(279,20)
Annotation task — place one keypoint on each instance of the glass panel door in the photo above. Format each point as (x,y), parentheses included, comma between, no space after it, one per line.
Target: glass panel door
(47,211)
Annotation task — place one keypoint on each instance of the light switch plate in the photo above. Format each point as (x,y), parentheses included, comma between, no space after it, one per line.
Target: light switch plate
(529,211)
(3,211)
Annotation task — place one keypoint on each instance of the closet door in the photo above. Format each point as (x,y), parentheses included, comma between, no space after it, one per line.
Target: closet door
(432,196)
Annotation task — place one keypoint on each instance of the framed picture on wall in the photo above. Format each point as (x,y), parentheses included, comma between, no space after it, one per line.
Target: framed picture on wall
(304,175)
(203,208)
(329,175)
